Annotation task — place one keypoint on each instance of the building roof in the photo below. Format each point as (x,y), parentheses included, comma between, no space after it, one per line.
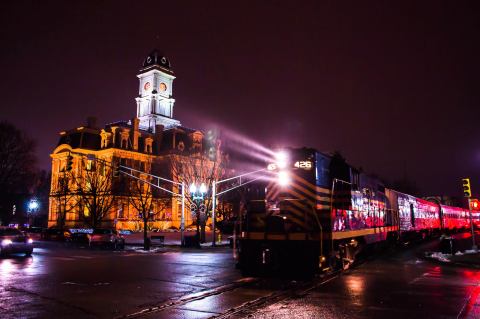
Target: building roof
(156,60)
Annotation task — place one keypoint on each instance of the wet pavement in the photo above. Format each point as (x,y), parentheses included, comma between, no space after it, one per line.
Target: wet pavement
(60,282)
(394,285)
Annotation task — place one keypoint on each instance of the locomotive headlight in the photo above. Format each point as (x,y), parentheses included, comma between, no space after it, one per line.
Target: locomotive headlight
(272,166)
(283,178)
(281,159)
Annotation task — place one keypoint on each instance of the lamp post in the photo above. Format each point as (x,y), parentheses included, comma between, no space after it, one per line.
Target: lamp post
(197,194)
(33,207)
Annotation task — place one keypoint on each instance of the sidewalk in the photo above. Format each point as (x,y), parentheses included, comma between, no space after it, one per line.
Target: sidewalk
(173,238)
(460,252)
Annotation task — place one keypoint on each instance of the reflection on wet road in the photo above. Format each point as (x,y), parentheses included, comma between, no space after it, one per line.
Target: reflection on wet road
(392,286)
(59,282)
(76,283)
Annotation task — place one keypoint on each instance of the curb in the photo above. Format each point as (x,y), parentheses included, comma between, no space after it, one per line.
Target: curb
(178,245)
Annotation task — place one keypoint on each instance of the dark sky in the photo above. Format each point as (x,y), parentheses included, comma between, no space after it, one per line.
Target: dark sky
(393,85)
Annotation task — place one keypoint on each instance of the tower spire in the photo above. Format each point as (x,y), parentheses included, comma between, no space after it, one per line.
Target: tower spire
(155,102)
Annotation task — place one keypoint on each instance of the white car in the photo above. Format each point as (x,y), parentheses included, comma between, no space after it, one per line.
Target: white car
(13,241)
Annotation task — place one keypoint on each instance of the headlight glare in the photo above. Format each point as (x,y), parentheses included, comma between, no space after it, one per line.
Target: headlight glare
(6,242)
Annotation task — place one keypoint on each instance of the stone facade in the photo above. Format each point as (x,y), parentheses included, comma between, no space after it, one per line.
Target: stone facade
(151,142)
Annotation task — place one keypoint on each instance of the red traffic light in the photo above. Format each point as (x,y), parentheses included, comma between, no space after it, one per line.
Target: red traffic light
(475,204)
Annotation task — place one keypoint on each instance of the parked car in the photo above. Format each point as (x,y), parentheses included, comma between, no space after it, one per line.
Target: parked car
(104,237)
(55,234)
(79,238)
(13,241)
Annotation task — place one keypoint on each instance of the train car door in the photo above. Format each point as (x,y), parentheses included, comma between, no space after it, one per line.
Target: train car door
(412,215)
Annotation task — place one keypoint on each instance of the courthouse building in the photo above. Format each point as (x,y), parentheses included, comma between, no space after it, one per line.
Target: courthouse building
(153,138)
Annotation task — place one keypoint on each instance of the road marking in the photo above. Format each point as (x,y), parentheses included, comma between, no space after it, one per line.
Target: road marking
(64,258)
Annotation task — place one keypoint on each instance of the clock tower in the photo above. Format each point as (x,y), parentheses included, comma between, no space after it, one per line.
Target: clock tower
(155,102)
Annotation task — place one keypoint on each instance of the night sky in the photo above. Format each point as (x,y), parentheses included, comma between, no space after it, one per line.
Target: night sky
(393,86)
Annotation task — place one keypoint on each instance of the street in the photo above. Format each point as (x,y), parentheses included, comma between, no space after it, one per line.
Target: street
(61,282)
(394,285)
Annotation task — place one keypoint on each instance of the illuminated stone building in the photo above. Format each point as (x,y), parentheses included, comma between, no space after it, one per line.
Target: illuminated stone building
(153,138)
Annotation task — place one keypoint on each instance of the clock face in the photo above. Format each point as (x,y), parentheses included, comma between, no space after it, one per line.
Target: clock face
(146,86)
(163,87)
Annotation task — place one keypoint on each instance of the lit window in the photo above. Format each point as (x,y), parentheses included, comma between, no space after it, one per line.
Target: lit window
(89,165)
(86,212)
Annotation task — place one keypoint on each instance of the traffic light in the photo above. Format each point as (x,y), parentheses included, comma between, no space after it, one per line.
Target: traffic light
(69,165)
(467,192)
(475,204)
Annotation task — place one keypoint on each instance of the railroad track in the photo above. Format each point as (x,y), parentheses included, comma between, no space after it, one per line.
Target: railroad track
(295,290)
(192,297)
(289,290)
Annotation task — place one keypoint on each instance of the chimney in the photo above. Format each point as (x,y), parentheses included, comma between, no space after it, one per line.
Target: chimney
(92,122)
(134,133)
(158,136)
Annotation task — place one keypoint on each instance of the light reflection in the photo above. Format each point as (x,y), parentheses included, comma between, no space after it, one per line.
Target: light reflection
(356,288)
(16,267)
(355,284)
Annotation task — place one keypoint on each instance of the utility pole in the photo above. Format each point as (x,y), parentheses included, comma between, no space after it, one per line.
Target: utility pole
(467,192)
(214,201)
(474,245)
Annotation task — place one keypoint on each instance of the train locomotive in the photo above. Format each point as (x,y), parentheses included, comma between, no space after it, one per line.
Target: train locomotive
(318,212)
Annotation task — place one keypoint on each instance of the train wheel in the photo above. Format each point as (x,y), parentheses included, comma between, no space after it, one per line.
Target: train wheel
(341,260)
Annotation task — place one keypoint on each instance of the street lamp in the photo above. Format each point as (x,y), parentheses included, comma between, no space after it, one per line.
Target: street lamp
(33,206)
(198,205)
(198,193)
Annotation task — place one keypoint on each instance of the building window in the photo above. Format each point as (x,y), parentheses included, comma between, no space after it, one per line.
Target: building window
(102,168)
(122,210)
(86,211)
(61,166)
(89,165)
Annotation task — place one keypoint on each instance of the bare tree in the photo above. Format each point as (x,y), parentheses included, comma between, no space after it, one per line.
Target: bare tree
(146,200)
(93,186)
(64,198)
(41,191)
(17,168)
(197,168)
